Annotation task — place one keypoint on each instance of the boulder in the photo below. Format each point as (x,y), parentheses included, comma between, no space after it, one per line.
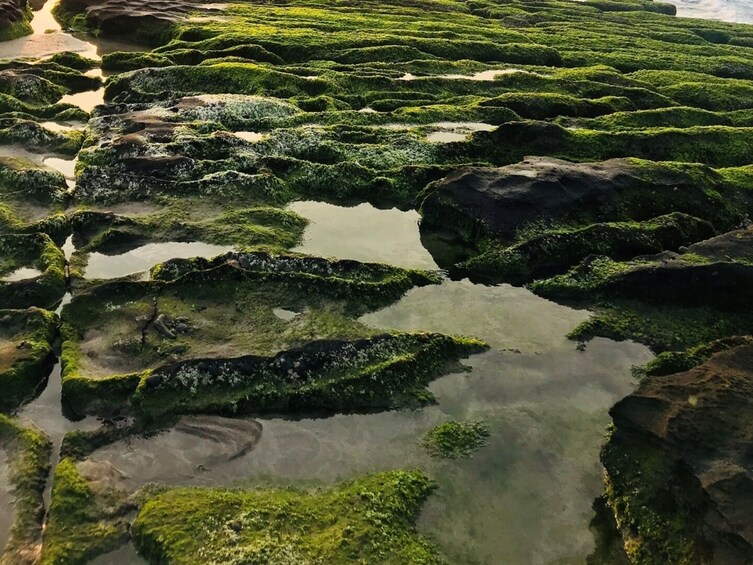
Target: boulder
(497,202)
(680,465)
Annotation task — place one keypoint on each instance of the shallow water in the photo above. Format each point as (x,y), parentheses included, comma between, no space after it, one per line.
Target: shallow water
(363,233)
(87,100)
(22,274)
(250,136)
(524,498)
(101,266)
(66,167)
(48,38)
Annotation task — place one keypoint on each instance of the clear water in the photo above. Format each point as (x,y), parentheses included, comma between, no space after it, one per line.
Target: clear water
(363,233)
(24,273)
(101,266)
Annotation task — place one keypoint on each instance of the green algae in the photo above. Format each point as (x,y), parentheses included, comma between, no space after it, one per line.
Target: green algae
(452,440)
(85,519)
(26,354)
(29,453)
(169,331)
(368,519)
(638,481)
(605,79)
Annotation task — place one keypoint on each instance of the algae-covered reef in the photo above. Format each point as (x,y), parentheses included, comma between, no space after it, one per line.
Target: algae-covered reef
(364,520)
(677,479)
(28,455)
(213,336)
(26,353)
(598,152)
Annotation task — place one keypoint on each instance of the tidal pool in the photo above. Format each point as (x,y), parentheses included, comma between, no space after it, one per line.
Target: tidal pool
(363,233)
(65,167)
(101,266)
(22,274)
(49,38)
(86,100)
(524,498)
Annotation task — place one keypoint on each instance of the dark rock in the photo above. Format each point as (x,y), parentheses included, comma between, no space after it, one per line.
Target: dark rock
(699,422)
(11,12)
(498,201)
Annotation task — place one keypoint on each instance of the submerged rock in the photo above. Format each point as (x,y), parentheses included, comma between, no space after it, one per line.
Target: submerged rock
(679,473)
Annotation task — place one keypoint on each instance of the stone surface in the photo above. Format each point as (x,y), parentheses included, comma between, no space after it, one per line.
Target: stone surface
(700,422)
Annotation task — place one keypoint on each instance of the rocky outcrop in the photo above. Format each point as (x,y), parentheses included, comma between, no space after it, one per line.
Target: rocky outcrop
(680,466)
(146,19)
(714,272)
(13,14)
(498,202)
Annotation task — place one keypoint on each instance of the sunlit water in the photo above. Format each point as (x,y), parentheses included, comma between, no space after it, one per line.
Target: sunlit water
(101,266)
(49,38)
(363,233)
(24,273)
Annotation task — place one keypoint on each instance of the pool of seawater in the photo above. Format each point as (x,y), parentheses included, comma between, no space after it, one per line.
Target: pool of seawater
(363,233)
(101,266)
(49,38)
(21,274)
(524,498)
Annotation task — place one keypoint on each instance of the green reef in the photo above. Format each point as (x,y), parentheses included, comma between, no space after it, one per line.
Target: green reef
(26,353)
(451,440)
(371,518)
(28,454)
(596,152)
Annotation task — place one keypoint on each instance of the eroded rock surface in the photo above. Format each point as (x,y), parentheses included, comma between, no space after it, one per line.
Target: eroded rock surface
(680,466)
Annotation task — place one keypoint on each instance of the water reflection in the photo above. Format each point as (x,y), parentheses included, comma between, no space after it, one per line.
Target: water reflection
(363,233)
(49,38)
(101,266)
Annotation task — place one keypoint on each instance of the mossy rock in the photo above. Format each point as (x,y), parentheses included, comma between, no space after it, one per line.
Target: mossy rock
(336,525)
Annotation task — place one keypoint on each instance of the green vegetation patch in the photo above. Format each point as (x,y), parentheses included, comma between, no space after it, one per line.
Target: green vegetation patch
(28,451)
(366,520)
(86,518)
(26,354)
(453,440)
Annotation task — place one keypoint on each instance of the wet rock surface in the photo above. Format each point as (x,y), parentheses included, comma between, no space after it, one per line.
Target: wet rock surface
(689,435)
(12,13)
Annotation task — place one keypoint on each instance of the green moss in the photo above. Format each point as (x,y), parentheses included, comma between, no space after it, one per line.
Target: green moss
(451,440)
(28,452)
(639,487)
(83,521)
(671,362)
(366,520)
(663,328)
(557,250)
(35,251)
